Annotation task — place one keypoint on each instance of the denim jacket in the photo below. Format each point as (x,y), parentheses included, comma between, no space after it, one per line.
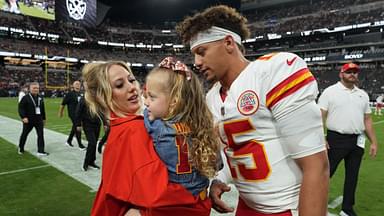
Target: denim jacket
(168,139)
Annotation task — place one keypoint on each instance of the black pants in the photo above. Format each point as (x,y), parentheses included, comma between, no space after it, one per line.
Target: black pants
(92,134)
(352,156)
(39,126)
(73,132)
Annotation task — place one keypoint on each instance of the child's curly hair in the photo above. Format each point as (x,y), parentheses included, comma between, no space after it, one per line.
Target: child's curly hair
(188,98)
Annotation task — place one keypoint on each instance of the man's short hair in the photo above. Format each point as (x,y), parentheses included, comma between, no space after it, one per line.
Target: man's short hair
(33,83)
(221,16)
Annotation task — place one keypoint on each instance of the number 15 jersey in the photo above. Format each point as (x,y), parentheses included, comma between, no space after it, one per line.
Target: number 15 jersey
(268,119)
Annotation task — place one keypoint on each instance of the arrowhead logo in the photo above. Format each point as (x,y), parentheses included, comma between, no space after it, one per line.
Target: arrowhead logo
(290,62)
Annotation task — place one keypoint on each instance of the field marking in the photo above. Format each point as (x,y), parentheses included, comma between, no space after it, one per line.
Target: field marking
(336,202)
(68,126)
(378,122)
(23,170)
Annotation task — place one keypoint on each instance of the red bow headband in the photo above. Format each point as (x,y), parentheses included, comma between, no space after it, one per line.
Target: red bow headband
(176,66)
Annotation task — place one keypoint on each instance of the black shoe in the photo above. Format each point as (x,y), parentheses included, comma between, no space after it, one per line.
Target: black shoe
(42,153)
(82,147)
(84,168)
(93,166)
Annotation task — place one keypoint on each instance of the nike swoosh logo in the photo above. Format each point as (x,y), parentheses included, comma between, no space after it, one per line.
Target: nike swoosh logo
(290,62)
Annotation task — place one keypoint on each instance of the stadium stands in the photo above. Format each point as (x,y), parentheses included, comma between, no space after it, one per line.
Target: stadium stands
(325,33)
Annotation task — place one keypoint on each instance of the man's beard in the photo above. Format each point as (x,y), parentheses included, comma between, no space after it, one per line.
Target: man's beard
(349,81)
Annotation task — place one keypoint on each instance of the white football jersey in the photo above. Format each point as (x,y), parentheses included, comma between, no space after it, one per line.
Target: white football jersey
(261,161)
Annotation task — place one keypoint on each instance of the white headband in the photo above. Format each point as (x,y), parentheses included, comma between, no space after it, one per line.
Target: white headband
(213,34)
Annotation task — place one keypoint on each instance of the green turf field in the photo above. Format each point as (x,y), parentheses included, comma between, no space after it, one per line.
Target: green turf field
(31,11)
(47,191)
(33,187)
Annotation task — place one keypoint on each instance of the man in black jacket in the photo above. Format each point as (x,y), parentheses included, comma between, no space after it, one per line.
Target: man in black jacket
(71,100)
(32,114)
(91,126)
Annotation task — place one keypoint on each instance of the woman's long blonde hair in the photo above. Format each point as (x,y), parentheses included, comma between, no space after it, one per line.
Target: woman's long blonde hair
(188,104)
(98,90)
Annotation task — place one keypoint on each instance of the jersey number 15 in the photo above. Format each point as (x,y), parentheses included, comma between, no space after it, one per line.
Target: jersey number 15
(248,158)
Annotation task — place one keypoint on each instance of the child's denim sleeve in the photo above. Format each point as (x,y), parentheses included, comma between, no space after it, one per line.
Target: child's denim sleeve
(153,127)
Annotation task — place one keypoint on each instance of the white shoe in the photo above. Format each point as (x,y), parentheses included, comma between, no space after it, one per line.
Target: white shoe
(68,144)
(20,152)
(82,148)
(42,153)
(351,213)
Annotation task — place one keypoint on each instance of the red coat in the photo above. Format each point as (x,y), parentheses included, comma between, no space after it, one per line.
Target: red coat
(133,174)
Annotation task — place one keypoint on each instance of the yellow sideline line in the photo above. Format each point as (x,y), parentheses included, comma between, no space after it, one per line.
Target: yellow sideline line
(22,170)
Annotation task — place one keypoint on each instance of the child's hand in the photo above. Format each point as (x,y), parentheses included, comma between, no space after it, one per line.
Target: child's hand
(133,212)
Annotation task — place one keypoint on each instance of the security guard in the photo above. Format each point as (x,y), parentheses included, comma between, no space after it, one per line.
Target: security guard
(71,100)
(32,114)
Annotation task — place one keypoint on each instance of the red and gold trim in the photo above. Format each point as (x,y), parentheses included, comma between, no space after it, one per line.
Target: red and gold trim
(288,86)
(267,56)
(181,128)
(183,166)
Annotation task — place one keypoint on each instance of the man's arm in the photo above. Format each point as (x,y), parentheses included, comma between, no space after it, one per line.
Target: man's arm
(61,111)
(303,134)
(63,103)
(43,109)
(314,188)
(370,132)
(22,108)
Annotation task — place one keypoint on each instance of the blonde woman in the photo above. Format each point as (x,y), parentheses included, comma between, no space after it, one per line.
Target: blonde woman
(133,176)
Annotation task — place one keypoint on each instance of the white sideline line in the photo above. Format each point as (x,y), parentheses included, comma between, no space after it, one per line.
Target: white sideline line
(22,170)
(336,202)
(60,127)
(68,160)
(378,122)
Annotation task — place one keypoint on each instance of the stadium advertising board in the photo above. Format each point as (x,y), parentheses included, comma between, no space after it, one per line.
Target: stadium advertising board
(38,8)
(77,11)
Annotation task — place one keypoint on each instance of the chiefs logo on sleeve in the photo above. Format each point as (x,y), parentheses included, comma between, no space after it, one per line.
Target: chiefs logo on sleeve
(248,102)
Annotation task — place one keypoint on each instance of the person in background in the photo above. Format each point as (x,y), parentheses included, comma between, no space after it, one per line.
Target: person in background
(91,124)
(23,91)
(347,116)
(32,114)
(71,99)
(133,176)
(266,114)
(379,104)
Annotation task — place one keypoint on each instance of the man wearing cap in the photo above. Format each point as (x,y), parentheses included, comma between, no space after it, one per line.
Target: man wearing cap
(347,116)
(267,117)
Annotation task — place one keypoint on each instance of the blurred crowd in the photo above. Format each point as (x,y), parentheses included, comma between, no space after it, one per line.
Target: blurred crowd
(295,17)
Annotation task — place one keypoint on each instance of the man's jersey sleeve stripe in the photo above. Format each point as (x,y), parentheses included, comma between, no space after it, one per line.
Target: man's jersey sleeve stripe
(289,86)
(267,56)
